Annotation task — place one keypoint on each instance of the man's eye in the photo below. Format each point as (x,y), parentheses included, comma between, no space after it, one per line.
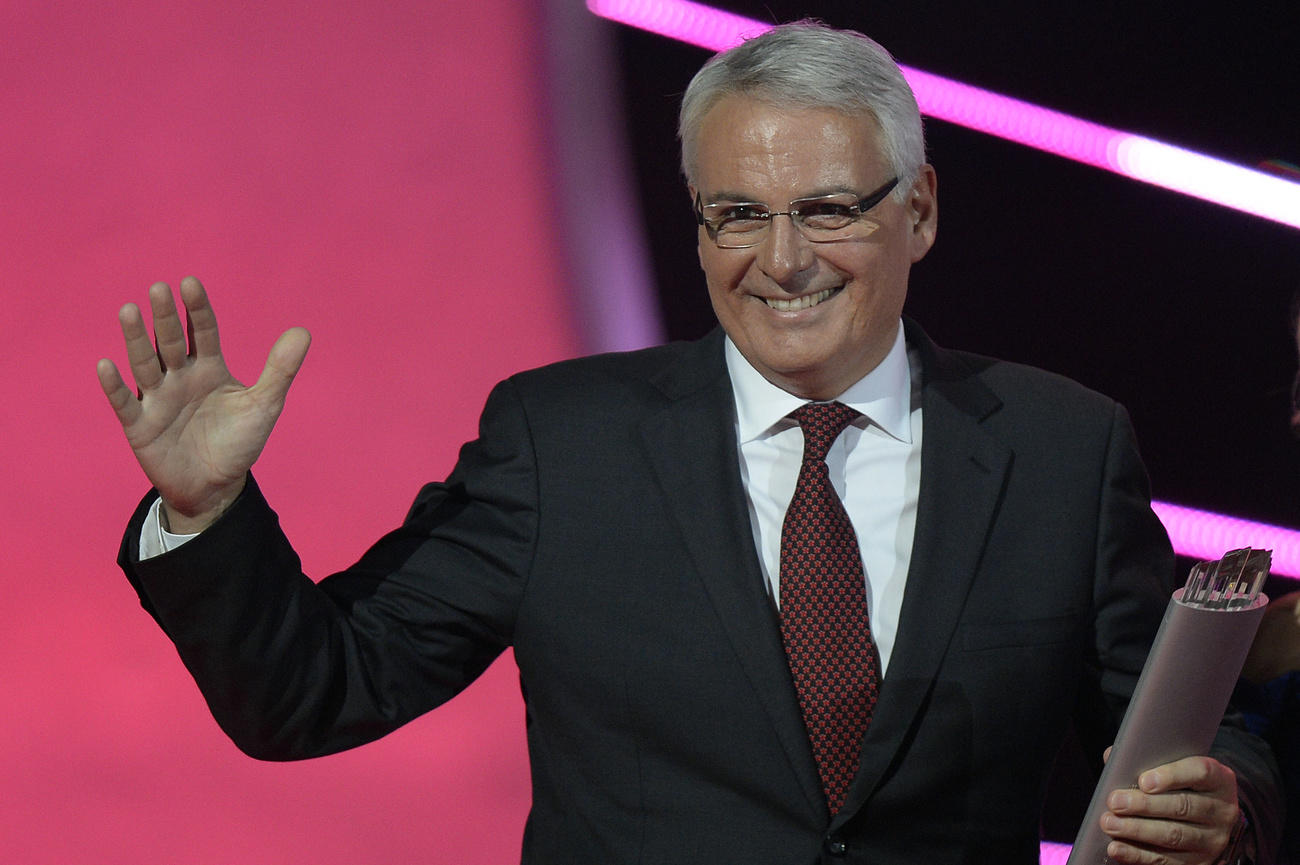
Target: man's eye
(739,215)
(826,214)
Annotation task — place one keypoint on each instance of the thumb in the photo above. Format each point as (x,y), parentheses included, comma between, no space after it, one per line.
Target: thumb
(283,363)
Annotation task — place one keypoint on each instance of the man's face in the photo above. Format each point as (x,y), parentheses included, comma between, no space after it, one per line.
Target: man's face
(847,294)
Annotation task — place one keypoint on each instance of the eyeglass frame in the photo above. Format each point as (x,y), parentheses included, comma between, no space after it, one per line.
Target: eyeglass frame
(864,204)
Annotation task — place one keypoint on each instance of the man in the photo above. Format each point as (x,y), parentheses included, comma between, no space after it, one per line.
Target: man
(1268,692)
(810,590)
(1268,695)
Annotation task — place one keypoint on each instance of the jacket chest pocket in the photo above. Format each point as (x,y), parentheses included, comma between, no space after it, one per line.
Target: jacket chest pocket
(1018,633)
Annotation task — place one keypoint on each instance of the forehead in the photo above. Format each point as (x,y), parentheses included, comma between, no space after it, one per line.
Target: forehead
(749,146)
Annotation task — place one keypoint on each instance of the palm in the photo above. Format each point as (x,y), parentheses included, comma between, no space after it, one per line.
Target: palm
(201,430)
(194,428)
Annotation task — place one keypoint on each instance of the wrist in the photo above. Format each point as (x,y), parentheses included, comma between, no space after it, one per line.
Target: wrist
(194,520)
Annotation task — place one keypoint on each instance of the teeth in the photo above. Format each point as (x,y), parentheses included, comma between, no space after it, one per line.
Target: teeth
(799,302)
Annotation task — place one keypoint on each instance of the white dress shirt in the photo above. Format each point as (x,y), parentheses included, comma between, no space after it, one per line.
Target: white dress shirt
(875,467)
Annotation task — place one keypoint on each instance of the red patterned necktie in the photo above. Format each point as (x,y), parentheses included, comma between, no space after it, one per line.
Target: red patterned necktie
(824,619)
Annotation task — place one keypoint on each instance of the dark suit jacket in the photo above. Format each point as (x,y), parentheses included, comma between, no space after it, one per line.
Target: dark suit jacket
(598,525)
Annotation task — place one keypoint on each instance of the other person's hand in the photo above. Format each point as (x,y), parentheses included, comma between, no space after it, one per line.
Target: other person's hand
(1276,649)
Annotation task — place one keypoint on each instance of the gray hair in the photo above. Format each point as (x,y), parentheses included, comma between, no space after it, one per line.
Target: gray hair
(809,65)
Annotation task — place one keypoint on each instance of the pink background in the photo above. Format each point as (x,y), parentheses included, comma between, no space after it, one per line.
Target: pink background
(320,164)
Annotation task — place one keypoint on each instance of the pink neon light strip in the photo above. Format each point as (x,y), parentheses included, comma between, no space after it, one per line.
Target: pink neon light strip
(1133,156)
(1205,535)
(1053,854)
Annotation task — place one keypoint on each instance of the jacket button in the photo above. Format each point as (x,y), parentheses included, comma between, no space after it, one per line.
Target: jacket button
(836,846)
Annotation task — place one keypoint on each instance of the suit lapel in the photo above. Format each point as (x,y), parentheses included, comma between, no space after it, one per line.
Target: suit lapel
(692,446)
(963,470)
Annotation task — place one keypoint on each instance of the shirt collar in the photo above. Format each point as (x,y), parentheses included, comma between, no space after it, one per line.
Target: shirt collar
(883,395)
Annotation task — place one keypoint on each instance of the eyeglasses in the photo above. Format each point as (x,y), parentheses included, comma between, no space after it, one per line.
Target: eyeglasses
(821,219)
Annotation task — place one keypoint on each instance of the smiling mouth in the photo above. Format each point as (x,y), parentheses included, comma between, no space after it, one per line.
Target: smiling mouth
(804,302)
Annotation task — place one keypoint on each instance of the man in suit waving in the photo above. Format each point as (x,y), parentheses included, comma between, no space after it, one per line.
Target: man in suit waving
(811,589)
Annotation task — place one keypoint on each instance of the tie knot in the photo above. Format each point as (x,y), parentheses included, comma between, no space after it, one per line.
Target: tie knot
(822,423)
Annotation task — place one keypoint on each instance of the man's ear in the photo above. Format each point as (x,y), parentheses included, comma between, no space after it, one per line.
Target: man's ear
(923,210)
(699,251)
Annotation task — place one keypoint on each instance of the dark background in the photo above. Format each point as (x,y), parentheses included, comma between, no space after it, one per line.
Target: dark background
(1175,307)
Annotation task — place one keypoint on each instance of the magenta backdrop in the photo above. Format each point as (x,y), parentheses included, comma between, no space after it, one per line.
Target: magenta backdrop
(323,164)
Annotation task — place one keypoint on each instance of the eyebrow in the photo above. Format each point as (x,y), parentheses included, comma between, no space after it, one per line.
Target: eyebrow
(733,197)
(741,198)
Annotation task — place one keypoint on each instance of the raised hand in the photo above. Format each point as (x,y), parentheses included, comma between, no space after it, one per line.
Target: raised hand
(195,430)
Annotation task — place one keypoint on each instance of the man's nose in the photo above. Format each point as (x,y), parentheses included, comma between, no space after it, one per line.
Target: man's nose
(784,251)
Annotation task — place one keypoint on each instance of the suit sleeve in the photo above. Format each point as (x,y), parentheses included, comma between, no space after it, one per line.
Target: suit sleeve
(293,669)
(1134,573)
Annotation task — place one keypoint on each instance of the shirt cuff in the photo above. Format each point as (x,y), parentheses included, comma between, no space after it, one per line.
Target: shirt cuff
(154,539)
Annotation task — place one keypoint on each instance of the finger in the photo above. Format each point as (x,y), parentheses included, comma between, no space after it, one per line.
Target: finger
(1161,835)
(1124,853)
(167,330)
(282,364)
(1181,805)
(200,321)
(140,353)
(124,403)
(1203,774)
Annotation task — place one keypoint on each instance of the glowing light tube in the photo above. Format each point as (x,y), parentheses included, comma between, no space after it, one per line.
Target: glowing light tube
(1206,535)
(1054,854)
(683,20)
(1133,156)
